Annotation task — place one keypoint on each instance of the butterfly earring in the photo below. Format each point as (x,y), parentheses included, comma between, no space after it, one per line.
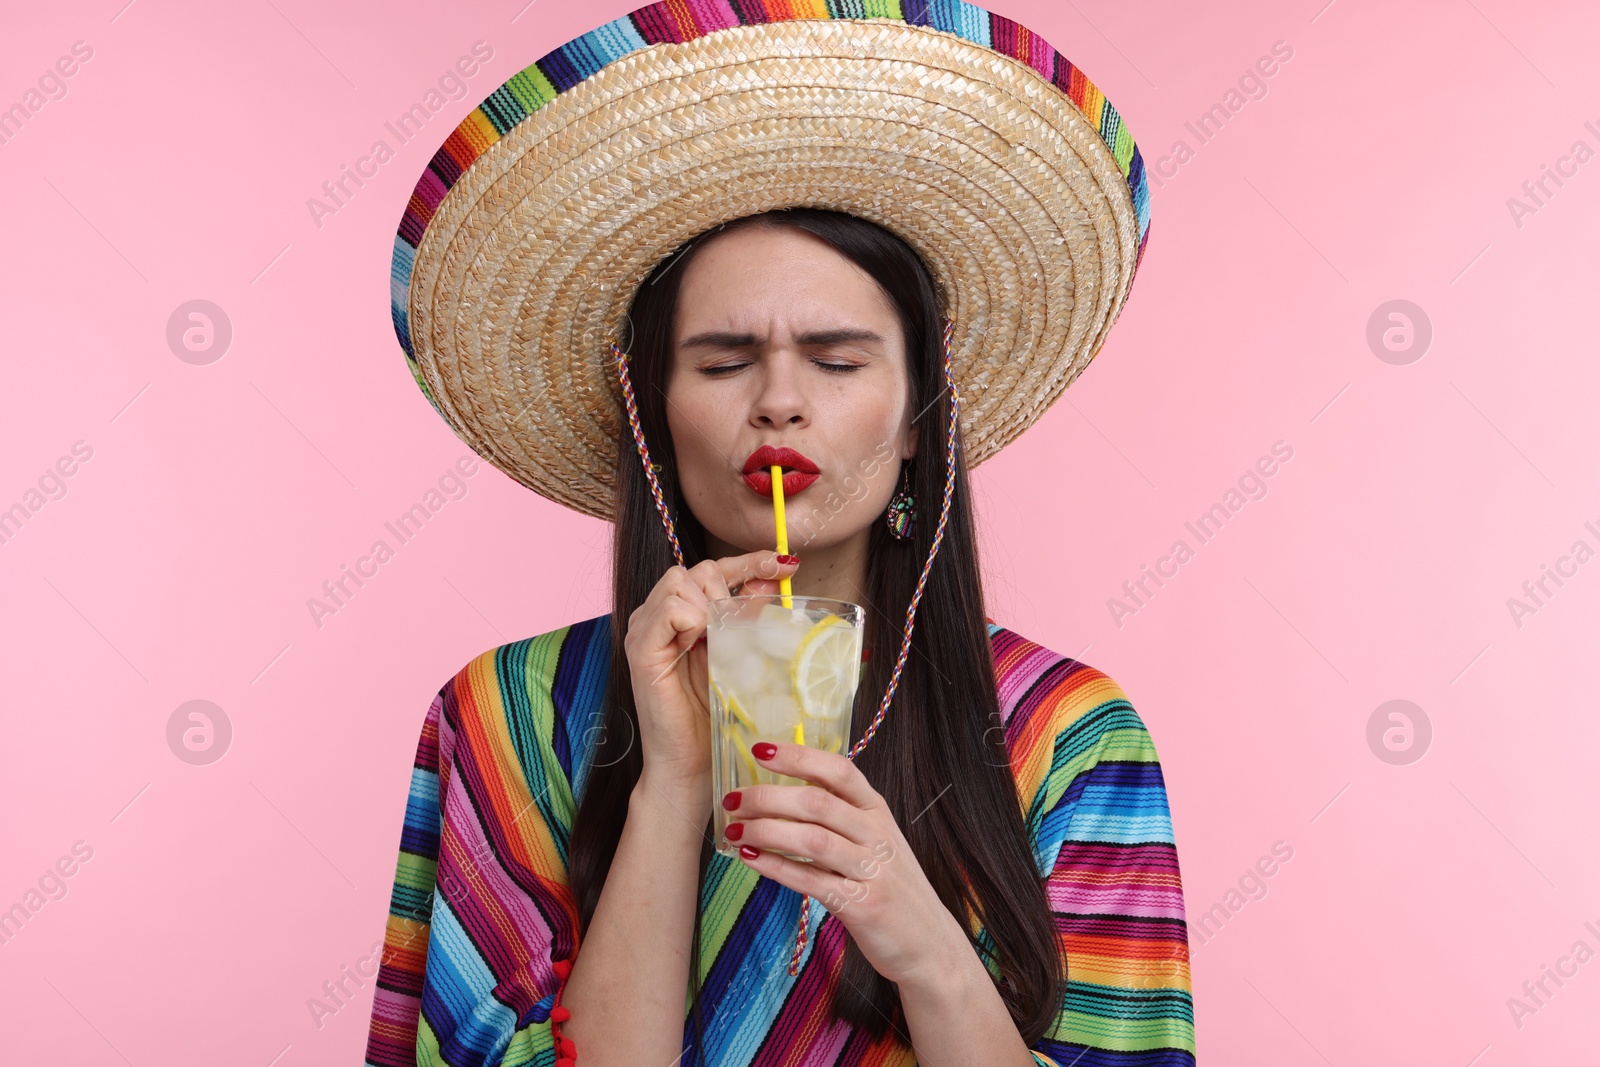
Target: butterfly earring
(902,513)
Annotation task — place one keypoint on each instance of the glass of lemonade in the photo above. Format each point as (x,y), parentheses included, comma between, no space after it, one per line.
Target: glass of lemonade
(777,673)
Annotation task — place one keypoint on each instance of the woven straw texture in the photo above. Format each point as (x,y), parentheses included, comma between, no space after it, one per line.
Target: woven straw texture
(1031,216)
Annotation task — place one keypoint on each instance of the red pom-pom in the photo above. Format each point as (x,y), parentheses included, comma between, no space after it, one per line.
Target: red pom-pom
(560,1014)
(563,968)
(566,1061)
(568,1049)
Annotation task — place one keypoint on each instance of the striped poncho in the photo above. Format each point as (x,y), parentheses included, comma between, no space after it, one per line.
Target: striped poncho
(481,907)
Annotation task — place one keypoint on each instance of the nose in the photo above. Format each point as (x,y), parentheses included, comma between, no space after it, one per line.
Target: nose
(780,400)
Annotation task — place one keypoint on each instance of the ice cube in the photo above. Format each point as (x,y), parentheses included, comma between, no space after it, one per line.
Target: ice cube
(727,646)
(749,674)
(775,712)
(781,630)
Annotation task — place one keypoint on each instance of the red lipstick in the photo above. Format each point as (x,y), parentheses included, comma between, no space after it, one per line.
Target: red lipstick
(799,471)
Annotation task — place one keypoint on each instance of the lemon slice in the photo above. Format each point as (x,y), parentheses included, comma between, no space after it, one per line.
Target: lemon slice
(737,737)
(739,713)
(823,670)
(749,760)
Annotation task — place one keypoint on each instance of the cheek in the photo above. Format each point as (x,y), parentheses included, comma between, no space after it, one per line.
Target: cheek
(883,429)
(868,477)
(860,485)
(697,441)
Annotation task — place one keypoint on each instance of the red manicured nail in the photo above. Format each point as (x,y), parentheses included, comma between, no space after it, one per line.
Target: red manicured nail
(749,853)
(734,831)
(764,749)
(788,559)
(730,801)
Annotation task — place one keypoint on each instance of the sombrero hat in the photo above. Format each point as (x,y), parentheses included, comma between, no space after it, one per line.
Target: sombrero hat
(959,130)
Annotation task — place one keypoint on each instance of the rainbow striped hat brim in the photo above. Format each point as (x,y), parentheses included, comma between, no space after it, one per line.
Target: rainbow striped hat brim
(960,130)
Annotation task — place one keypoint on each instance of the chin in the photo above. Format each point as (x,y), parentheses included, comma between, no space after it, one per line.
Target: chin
(812,525)
(749,536)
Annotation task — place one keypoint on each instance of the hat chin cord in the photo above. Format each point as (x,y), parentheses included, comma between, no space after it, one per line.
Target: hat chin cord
(621,359)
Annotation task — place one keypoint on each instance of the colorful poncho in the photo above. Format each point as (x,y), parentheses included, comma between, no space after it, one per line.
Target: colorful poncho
(481,907)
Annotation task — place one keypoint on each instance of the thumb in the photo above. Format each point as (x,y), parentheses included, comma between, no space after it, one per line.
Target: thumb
(755,573)
(759,587)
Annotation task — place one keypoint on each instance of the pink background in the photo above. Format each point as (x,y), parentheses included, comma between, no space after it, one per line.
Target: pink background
(177,566)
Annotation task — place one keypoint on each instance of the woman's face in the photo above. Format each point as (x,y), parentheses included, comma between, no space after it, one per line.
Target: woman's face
(780,341)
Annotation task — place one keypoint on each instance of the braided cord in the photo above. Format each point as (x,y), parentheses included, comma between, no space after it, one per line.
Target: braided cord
(916,597)
(644,451)
(938,538)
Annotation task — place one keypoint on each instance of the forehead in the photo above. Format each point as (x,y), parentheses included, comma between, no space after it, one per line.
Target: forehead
(756,276)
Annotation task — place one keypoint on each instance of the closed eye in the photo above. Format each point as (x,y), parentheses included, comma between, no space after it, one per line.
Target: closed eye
(837,368)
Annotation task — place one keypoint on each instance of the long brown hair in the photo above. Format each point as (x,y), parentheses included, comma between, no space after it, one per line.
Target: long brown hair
(936,759)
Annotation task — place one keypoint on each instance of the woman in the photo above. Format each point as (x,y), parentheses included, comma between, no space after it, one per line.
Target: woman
(995,873)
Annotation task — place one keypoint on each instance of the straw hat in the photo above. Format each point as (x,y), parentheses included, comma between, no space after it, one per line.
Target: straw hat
(959,130)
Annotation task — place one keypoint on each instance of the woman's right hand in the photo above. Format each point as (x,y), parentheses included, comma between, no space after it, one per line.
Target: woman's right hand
(670,687)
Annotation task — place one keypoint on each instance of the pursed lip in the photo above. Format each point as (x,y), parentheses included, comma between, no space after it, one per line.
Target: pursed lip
(767,456)
(757,470)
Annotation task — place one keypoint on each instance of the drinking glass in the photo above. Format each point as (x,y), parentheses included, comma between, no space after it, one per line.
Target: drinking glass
(781,669)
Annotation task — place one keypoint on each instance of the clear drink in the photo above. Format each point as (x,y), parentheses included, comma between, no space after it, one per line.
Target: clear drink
(777,674)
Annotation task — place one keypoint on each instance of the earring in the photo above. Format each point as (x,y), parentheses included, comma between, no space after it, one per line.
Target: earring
(902,513)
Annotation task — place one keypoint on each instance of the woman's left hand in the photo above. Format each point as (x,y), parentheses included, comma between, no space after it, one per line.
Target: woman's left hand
(862,869)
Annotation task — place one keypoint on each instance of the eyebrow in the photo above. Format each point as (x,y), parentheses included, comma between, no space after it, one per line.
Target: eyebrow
(719,339)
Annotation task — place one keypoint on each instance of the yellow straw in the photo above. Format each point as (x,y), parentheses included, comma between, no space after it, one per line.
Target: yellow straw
(783,529)
(784,588)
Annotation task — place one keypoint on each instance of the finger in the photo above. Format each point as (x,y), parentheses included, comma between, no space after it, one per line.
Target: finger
(833,891)
(804,803)
(694,634)
(759,587)
(674,624)
(756,566)
(834,772)
(673,663)
(813,842)
(816,843)
(650,613)
(708,578)
(686,602)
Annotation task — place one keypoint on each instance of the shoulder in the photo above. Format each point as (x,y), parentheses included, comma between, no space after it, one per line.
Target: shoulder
(1062,718)
(550,663)
(541,656)
(1085,766)
(536,699)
